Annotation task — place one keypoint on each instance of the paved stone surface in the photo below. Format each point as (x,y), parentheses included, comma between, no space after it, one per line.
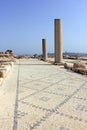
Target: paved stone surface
(40,96)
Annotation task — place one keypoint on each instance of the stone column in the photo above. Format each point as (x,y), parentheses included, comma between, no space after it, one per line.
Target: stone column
(58,40)
(44,51)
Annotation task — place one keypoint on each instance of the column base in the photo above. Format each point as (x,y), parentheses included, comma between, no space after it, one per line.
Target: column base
(59,64)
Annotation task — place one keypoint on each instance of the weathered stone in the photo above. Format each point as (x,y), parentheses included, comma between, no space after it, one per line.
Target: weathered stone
(76,67)
(58,40)
(68,66)
(79,65)
(1,80)
(3,73)
(44,50)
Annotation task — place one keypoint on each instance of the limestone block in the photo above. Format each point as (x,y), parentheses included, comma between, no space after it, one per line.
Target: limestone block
(3,73)
(11,63)
(79,65)
(7,67)
(81,71)
(1,80)
(68,66)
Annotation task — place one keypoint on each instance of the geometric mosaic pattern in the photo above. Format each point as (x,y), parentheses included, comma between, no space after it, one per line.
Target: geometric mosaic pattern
(48,97)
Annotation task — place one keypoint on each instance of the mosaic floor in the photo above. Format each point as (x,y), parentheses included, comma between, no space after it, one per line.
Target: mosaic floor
(44,97)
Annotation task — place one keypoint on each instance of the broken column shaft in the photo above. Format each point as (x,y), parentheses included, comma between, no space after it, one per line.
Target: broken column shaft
(58,40)
(44,51)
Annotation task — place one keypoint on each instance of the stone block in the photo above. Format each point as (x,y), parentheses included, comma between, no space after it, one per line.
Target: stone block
(1,80)
(3,73)
(79,65)
(68,66)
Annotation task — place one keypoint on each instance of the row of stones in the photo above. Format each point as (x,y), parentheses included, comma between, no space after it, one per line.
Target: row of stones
(76,67)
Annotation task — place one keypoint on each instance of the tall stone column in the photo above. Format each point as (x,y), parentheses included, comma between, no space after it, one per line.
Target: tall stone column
(58,40)
(44,50)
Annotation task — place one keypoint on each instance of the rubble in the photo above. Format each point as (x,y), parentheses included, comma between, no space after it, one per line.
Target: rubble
(77,67)
(6,63)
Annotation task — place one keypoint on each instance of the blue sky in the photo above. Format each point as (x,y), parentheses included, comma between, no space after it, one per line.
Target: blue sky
(24,23)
